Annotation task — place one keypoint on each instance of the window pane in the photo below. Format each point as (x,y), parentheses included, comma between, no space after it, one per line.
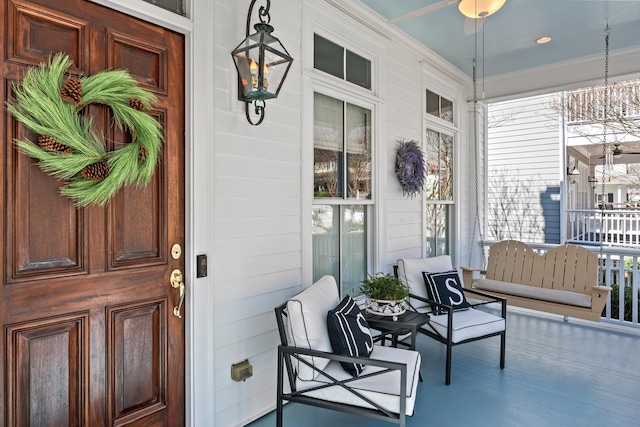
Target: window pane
(437,229)
(446,109)
(358,152)
(325,241)
(172,5)
(439,166)
(358,70)
(446,171)
(354,249)
(328,56)
(433,104)
(328,134)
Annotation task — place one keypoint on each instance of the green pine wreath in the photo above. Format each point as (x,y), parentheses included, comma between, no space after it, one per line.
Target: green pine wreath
(67,147)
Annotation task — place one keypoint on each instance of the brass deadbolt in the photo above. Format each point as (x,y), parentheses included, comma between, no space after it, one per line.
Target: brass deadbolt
(176,251)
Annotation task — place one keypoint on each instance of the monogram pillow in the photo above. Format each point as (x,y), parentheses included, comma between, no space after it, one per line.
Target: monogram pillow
(445,288)
(349,333)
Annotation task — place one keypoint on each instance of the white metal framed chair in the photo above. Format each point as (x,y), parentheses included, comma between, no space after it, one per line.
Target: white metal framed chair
(386,389)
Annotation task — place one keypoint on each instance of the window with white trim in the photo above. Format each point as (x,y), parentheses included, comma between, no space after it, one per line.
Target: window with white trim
(438,192)
(439,165)
(342,165)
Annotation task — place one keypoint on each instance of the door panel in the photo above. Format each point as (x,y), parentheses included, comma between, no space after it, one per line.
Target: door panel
(86,306)
(34,348)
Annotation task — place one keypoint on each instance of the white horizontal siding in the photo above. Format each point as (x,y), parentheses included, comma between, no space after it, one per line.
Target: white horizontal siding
(258,255)
(524,165)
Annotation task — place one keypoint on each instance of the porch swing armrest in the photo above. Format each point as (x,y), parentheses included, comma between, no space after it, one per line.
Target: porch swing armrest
(599,297)
(601,289)
(467,275)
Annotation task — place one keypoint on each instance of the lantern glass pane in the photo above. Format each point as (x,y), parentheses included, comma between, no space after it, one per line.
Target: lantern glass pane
(274,71)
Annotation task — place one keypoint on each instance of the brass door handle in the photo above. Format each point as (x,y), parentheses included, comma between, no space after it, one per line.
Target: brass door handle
(177,282)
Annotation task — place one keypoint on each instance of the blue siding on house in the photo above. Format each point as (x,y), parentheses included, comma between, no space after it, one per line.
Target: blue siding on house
(524,169)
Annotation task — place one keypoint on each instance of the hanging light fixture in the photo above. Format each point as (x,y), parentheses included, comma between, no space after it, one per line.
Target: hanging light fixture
(593,182)
(573,173)
(480,8)
(262,64)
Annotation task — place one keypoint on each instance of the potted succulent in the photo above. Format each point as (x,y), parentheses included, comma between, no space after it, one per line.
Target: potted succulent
(386,294)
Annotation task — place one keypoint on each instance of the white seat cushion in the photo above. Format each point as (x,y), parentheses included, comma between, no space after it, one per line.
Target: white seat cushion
(534,292)
(383,389)
(467,324)
(410,273)
(308,322)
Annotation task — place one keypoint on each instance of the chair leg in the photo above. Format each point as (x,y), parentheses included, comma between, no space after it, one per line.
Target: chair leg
(449,346)
(279,386)
(279,413)
(448,368)
(503,346)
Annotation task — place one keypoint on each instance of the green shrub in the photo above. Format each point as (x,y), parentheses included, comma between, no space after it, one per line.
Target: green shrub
(384,287)
(628,302)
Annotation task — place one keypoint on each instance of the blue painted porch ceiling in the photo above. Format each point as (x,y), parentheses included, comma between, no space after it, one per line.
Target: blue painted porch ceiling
(576,26)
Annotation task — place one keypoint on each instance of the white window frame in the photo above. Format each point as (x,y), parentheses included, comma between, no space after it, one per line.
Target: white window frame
(349,35)
(436,124)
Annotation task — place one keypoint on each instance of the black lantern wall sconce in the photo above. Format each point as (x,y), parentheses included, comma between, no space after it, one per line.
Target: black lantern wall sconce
(574,174)
(262,64)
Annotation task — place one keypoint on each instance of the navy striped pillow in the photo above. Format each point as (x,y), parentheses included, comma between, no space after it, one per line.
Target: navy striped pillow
(349,333)
(445,287)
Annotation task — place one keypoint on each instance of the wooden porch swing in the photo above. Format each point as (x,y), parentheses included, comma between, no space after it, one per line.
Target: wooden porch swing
(562,281)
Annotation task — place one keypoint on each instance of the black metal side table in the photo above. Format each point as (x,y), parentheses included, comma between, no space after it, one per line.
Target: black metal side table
(408,323)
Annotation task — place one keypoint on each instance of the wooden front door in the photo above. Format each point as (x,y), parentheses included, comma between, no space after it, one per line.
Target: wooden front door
(89,337)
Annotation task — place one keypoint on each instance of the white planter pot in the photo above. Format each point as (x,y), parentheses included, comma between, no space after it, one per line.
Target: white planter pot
(385,307)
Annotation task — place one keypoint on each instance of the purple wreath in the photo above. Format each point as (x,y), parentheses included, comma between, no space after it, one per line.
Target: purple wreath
(410,168)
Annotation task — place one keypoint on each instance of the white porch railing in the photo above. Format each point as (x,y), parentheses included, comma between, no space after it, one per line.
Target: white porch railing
(615,227)
(621,271)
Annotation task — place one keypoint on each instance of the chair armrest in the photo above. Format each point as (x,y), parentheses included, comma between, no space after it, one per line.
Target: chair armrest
(489,299)
(467,275)
(431,302)
(285,353)
(394,366)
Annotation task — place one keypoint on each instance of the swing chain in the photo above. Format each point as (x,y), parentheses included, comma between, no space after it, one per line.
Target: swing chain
(605,150)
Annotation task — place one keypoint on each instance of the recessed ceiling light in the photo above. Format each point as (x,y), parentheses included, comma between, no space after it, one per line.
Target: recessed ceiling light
(543,40)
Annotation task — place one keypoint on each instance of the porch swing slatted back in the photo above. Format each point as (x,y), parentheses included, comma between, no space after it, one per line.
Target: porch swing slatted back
(567,268)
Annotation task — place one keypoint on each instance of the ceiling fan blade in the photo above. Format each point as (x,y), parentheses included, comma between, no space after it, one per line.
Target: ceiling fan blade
(423,11)
(472,25)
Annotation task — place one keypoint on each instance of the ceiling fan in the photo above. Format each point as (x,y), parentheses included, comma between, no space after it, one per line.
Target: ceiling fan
(617,151)
(474,10)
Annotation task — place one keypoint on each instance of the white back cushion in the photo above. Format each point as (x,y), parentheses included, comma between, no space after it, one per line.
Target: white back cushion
(308,322)
(410,273)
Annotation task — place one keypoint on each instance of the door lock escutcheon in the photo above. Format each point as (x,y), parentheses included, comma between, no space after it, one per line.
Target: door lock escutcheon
(176,251)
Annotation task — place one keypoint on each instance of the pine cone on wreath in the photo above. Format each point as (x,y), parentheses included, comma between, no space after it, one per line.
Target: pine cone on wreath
(136,104)
(142,153)
(96,171)
(49,143)
(71,92)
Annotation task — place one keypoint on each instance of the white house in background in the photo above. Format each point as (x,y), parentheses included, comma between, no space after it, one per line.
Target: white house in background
(545,169)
